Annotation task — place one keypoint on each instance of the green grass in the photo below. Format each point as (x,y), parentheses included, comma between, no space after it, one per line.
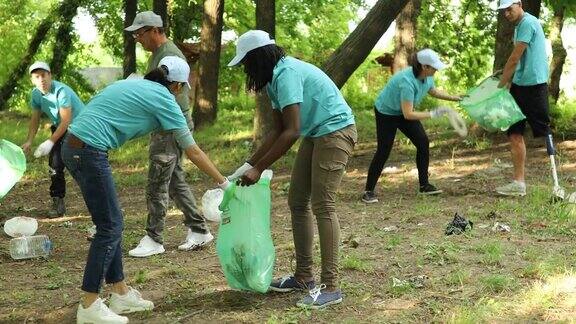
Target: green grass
(492,252)
(355,262)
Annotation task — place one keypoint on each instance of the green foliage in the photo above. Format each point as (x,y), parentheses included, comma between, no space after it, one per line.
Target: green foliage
(463,34)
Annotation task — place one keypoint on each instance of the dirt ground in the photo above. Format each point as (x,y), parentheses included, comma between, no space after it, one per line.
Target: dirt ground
(383,244)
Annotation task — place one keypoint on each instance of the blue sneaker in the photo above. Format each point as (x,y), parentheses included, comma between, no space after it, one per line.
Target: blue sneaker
(318,299)
(290,283)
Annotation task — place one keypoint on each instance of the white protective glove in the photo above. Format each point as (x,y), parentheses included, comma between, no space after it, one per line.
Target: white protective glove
(44,148)
(240,171)
(224,185)
(439,112)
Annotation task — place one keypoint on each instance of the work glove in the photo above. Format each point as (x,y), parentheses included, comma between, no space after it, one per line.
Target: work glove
(439,112)
(240,171)
(225,185)
(44,148)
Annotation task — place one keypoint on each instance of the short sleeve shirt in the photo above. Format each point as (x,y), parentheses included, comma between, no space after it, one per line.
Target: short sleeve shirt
(403,86)
(533,66)
(59,97)
(323,110)
(125,110)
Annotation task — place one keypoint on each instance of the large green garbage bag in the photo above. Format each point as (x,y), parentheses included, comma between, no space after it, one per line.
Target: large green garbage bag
(493,108)
(244,244)
(12,166)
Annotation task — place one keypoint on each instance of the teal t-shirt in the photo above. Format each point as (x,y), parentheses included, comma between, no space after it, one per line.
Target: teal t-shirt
(323,110)
(403,86)
(60,96)
(533,66)
(127,109)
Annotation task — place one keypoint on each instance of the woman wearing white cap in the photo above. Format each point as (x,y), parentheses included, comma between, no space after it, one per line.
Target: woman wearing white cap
(394,109)
(305,103)
(122,111)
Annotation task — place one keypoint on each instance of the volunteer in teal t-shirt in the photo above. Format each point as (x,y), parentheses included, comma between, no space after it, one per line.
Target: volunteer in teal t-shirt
(307,104)
(122,111)
(61,104)
(395,109)
(527,69)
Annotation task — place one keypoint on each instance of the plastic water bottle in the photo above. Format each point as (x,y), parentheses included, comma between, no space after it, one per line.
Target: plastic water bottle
(27,247)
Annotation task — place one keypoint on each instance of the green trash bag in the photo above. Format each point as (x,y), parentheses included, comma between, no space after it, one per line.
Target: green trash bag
(493,108)
(12,166)
(244,244)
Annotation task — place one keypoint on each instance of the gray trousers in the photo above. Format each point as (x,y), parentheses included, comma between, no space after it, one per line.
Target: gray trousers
(166,179)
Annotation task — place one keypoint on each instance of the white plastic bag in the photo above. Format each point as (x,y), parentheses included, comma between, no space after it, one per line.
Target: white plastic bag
(210,202)
(21,226)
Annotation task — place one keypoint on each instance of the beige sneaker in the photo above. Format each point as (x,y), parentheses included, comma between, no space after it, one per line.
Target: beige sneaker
(514,188)
(129,303)
(98,312)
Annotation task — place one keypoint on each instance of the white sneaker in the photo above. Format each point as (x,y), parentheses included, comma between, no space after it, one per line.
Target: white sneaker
(195,241)
(129,303)
(515,188)
(98,312)
(146,247)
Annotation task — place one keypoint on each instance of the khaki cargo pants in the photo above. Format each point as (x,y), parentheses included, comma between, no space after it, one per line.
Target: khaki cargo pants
(316,176)
(166,179)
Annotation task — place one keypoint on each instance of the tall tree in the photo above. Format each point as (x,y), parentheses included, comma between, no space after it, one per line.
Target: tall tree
(263,121)
(405,36)
(505,32)
(558,51)
(129,63)
(205,103)
(356,47)
(19,70)
(160,7)
(64,35)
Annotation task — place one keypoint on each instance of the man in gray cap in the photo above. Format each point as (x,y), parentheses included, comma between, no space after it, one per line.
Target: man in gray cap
(61,104)
(166,178)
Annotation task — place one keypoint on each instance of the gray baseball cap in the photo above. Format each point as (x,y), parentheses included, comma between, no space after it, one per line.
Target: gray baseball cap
(143,19)
(39,65)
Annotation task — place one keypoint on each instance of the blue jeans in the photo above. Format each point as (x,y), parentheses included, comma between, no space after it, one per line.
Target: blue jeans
(91,170)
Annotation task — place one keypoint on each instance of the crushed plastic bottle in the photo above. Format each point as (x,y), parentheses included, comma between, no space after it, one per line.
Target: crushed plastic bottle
(27,247)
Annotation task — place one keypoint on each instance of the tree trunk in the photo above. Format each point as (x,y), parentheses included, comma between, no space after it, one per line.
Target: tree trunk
(263,121)
(63,41)
(558,52)
(405,37)
(9,86)
(160,7)
(205,105)
(354,50)
(129,64)
(505,34)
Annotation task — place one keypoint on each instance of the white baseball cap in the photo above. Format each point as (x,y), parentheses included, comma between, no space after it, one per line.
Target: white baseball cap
(507,3)
(248,41)
(143,19)
(39,65)
(429,57)
(178,69)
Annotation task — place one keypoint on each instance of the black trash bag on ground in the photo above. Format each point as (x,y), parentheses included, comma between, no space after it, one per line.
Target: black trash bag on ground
(458,225)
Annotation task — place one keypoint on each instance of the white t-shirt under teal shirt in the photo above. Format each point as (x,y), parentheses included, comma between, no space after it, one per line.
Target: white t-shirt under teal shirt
(60,96)
(403,86)
(533,66)
(128,109)
(323,110)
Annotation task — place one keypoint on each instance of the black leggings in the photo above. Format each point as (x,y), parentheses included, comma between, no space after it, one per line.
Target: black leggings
(386,126)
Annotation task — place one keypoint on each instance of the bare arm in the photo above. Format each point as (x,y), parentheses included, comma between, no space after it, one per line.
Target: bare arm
(270,139)
(201,160)
(32,129)
(439,94)
(510,66)
(65,119)
(410,114)
(290,126)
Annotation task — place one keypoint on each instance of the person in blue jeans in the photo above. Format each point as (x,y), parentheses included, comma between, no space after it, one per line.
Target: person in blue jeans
(122,111)
(306,103)
(395,110)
